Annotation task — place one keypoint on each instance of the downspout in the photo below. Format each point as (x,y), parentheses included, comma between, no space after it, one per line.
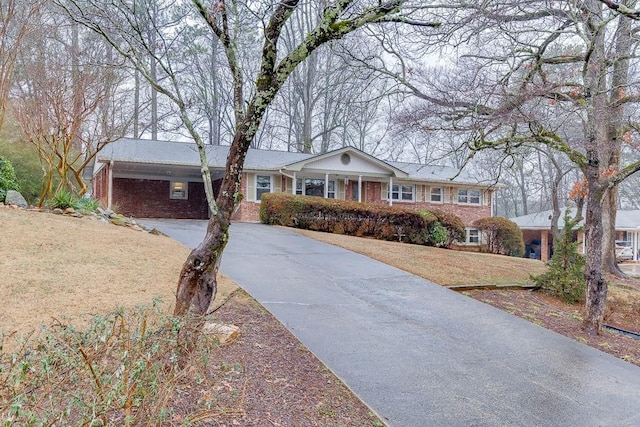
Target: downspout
(110,185)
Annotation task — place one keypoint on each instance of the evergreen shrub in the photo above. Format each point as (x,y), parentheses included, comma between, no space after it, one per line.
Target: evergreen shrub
(565,277)
(453,225)
(8,180)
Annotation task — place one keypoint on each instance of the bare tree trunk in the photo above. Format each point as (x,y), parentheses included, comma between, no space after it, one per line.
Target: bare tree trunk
(594,74)
(197,284)
(198,279)
(596,286)
(609,212)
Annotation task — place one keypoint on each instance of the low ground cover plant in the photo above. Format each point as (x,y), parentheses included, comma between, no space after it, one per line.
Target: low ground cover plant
(64,199)
(122,370)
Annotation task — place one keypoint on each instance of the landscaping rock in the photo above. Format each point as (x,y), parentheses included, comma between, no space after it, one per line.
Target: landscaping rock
(118,219)
(15,198)
(69,211)
(57,211)
(223,333)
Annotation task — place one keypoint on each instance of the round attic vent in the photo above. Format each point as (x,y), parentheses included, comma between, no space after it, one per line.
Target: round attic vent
(345,159)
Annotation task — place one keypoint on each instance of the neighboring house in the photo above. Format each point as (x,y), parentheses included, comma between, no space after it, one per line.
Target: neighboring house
(160,179)
(536,230)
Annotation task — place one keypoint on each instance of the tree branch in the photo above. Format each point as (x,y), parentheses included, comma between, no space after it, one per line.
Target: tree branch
(622,9)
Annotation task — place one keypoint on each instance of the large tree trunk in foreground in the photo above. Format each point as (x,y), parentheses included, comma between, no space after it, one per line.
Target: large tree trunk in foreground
(596,285)
(198,284)
(198,280)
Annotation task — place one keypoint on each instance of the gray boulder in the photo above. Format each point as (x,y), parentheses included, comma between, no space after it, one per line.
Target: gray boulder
(15,198)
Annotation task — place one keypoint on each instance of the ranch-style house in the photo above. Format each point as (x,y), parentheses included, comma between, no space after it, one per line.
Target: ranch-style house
(161,179)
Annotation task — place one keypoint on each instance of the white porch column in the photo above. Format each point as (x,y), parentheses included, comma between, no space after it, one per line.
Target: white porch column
(293,186)
(326,185)
(360,188)
(110,185)
(390,196)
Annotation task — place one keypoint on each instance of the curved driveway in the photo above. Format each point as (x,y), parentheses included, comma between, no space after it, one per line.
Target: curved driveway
(416,353)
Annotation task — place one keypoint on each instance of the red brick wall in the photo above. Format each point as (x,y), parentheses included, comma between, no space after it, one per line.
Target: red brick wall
(247,211)
(144,198)
(467,213)
(101,186)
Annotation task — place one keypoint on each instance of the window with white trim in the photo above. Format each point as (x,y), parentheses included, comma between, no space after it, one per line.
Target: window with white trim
(436,194)
(473,236)
(315,187)
(179,190)
(402,193)
(263,185)
(468,197)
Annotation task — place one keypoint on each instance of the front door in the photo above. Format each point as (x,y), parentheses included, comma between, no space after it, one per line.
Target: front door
(355,190)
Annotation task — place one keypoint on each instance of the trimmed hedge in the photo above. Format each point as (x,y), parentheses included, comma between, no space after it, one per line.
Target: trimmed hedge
(503,235)
(350,218)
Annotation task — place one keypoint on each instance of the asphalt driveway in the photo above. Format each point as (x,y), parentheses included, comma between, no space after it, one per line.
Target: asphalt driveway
(416,353)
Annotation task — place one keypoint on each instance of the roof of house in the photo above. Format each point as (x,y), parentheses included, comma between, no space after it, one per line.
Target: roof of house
(625,219)
(153,152)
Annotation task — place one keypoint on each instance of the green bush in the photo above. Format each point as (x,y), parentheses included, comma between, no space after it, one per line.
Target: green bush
(565,277)
(349,217)
(504,237)
(438,235)
(452,223)
(8,180)
(24,158)
(64,199)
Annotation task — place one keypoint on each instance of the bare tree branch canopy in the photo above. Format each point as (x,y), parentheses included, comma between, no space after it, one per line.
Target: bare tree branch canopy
(256,78)
(16,22)
(622,9)
(561,74)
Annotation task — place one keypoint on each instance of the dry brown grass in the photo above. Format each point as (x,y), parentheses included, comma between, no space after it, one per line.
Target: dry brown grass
(70,269)
(442,266)
(122,368)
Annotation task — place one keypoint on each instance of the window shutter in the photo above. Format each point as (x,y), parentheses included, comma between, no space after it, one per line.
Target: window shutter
(277,184)
(446,195)
(289,184)
(251,187)
(384,189)
(419,193)
(341,195)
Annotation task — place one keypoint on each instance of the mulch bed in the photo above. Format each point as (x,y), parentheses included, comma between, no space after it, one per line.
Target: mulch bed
(267,378)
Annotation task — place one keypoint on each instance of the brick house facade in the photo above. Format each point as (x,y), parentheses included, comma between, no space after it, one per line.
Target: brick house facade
(160,179)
